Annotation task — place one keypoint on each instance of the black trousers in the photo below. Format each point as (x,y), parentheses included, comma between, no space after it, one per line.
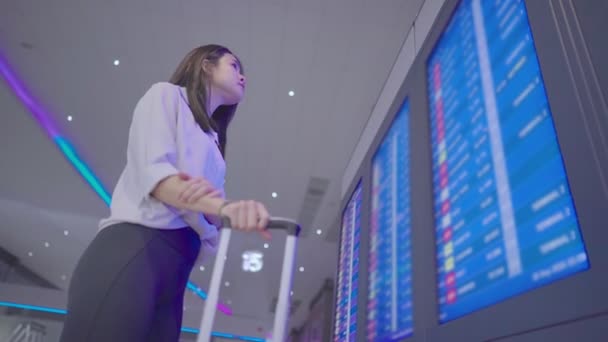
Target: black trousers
(129,285)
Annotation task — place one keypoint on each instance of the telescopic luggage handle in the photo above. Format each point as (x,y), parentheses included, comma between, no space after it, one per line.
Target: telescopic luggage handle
(282,310)
(275,223)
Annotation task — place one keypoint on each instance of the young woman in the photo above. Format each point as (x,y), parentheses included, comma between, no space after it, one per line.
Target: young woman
(166,208)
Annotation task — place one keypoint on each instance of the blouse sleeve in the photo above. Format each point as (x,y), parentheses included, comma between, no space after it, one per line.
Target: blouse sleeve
(152,144)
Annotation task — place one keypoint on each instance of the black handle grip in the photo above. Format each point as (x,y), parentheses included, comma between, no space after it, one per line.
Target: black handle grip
(279,223)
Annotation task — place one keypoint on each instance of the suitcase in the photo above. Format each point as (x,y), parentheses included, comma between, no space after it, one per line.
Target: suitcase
(282,310)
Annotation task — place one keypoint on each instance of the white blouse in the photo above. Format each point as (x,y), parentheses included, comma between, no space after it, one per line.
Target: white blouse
(165,138)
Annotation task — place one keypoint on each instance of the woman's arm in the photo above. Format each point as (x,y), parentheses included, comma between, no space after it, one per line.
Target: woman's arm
(169,189)
(153,153)
(243,215)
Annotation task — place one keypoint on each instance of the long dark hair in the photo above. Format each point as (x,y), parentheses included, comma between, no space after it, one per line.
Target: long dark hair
(190,74)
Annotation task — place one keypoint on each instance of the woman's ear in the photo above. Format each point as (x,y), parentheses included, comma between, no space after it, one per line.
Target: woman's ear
(207,66)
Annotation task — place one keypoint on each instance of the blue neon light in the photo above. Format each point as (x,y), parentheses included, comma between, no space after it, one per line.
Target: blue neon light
(253,339)
(82,168)
(192,287)
(32,307)
(184,329)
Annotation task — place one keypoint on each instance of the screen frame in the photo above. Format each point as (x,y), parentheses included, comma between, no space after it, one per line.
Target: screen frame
(396,109)
(358,181)
(575,298)
(420,199)
(553,303)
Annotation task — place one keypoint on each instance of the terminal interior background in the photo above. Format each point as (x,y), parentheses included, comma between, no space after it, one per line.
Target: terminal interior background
(344,128)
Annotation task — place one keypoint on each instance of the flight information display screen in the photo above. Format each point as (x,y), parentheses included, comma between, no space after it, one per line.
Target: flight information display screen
(504,216)
(389,311)
(348,270)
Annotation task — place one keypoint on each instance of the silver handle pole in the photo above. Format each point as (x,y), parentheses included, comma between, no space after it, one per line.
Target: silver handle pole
(282,312)
(204,334)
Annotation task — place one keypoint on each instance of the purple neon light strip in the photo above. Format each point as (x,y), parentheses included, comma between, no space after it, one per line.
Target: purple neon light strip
(26,98)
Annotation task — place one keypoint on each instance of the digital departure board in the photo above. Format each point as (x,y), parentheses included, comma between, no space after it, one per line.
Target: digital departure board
(504,216)
(348,270)
(389,311)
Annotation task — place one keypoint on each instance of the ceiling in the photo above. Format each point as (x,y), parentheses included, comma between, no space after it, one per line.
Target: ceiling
(334,54)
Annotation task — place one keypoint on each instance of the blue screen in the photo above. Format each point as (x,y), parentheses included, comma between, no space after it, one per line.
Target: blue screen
(348,270)
(390,285)
(504,216)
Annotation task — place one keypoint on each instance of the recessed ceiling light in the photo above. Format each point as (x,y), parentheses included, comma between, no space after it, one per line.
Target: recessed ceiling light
(301,269)
(227,283)
(319,232)
(229,302)
(202,268)
(291,293)
(47,245)
(69,118)
(266,245)
(63,277)
(30,254)
(65,232)
(291,93)
(275,195)
(116,62)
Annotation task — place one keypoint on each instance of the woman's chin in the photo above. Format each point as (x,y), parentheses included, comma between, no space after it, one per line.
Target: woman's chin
(235,99)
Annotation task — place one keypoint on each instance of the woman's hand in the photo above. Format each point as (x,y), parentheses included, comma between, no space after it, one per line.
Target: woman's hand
(196,188)
(247,216)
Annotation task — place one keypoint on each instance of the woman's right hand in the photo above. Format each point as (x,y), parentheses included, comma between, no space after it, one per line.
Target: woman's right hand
(247,216)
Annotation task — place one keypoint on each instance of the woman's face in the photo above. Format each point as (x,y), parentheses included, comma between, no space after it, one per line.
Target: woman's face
(227,80)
